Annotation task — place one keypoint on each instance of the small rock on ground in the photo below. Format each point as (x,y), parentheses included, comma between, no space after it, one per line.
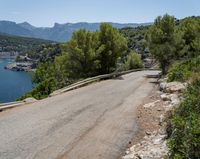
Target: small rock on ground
(30,100)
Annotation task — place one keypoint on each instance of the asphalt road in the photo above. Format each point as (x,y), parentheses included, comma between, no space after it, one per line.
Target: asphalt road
(93,122)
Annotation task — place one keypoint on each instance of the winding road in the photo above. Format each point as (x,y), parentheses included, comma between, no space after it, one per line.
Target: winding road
(93,122)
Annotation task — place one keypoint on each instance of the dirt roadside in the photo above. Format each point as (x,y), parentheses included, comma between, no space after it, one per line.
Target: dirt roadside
(148,118)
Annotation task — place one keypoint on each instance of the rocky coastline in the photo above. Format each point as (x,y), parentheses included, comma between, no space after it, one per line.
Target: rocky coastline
(20,66)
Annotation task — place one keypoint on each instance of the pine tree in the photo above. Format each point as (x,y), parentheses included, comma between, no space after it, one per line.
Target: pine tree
(112,46)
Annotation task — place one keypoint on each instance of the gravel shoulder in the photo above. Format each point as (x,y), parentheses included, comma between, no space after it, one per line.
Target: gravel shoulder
(149,129)
(150,140)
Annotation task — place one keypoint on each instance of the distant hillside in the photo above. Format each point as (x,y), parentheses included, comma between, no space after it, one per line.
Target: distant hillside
(59,32)
(136,38)
(9,43)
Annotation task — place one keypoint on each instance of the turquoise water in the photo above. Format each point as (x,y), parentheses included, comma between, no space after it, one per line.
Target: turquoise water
(13,84)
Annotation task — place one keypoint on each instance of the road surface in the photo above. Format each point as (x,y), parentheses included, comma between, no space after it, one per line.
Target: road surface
(93,122)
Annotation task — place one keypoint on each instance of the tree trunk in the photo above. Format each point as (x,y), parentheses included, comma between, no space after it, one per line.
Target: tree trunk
(164,67)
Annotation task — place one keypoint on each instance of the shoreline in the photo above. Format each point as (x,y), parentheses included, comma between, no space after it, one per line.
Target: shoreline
(20,66)
(13,84)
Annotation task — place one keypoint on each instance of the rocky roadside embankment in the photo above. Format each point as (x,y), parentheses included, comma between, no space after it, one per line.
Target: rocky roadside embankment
(152,117)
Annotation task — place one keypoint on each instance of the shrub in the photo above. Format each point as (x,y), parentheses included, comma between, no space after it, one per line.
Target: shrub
(179,72)
(133,61)
(42,90)
(183,71)
(184,139)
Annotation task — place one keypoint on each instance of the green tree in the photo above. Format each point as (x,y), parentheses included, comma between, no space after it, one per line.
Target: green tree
(164,41)
(61,72)
(86,54)
(191,35)
(80,53)
(112,45)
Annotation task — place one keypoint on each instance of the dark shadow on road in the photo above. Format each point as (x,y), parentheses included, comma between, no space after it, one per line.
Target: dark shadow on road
(118,78)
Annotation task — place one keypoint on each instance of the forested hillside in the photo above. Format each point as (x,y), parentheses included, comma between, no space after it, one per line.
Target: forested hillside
(9,43)
(136,38)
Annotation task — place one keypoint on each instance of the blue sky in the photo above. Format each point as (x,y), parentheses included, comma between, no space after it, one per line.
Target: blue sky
(47,12)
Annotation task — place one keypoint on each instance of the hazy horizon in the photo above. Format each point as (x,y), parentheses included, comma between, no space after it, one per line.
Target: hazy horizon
(75,22)
(47,12)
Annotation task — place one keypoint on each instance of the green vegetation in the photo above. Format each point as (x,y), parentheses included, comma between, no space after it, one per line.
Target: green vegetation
(87,54)
(136,39)
(80,54)
(175,44)
(42,90)
(112,45)
(22,45)
(45,52)
(169,40)
(184,139)
(133,61)
(164,41)
(183,70)
(190,28)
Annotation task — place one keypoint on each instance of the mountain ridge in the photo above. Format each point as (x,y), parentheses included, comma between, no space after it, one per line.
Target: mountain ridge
(59,32)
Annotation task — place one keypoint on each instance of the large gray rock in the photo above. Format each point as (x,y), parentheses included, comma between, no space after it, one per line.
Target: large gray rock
(172,87)
(172,98)
(163,86)
(165,97)
(175,99)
